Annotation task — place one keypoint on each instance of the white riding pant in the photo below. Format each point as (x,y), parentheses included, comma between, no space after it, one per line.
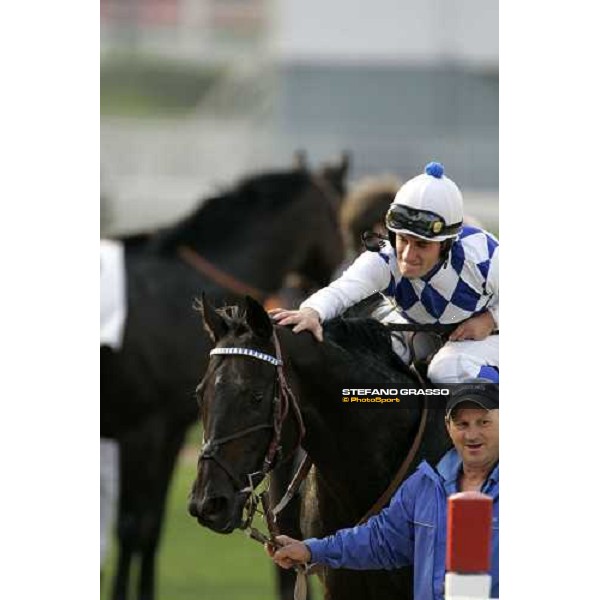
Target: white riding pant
(458,361)
(455,362)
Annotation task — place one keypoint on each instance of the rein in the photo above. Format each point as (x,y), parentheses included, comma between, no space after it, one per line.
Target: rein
(381,502)
(429,327)
(402,471)
(218,276)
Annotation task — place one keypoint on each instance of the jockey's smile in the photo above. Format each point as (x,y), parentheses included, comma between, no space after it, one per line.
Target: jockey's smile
(416,257)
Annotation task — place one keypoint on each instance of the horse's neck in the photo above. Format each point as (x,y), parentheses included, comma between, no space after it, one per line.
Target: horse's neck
(259,262)
(256,256)
(356,451)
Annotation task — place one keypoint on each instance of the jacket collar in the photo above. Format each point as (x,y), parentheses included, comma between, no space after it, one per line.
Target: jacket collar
(447,473)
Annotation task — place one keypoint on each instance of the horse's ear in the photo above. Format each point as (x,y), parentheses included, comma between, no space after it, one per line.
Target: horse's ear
(257,318)
(214,323)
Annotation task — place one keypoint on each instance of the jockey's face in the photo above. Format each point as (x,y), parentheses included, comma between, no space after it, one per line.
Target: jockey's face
(416,257)
(475,435)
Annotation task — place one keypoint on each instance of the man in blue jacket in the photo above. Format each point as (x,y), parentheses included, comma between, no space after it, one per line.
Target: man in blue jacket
(412,529)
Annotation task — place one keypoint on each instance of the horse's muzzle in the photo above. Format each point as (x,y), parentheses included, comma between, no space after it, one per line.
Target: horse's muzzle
(221,514)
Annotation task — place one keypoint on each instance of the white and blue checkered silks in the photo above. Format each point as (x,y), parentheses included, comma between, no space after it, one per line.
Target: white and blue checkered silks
(465,286)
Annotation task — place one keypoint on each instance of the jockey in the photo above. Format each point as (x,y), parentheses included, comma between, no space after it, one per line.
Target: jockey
(433,270)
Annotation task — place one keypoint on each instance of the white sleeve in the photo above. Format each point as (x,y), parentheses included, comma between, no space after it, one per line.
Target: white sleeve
(369,273)
(494,288)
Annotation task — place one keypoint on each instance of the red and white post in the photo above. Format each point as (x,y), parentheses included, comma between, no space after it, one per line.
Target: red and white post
(468,547)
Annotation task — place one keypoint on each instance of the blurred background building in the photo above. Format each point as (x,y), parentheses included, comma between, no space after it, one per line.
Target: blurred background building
(196,93)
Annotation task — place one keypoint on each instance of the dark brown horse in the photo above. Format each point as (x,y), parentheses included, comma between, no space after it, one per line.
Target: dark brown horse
(356,451)
(248,238)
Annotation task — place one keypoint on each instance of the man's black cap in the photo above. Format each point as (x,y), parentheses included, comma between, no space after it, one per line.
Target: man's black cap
(480,391)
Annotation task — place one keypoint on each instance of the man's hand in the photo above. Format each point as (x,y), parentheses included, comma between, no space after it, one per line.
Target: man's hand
(305,319)
(476,328)
(292,552)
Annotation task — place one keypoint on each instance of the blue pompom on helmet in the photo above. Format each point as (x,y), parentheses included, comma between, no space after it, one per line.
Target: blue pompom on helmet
(435,169)
(429,206)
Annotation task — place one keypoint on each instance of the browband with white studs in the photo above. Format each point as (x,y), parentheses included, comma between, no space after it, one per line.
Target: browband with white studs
(248,352)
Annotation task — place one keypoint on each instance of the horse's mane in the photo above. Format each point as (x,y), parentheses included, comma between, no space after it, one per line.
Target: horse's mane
(366,340)
(363,342)
(221,215)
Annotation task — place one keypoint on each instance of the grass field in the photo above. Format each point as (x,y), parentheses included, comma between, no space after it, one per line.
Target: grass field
(195,563)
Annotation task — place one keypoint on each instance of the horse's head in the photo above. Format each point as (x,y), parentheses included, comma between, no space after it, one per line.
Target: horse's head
(321,234)
(269,225)
(242,400)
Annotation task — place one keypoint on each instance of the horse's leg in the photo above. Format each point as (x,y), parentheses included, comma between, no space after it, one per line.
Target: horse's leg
(288,521)
(121,580)
(112,392)
(126,534)
(138,468)
(153,518)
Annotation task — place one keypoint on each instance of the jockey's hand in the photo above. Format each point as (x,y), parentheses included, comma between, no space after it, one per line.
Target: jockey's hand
(292,552)
(476,328)
(304,319)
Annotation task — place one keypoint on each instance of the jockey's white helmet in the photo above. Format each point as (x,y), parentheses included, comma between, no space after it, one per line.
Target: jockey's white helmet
(428,206)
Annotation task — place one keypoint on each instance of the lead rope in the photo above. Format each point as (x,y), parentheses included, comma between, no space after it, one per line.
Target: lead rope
(302,571)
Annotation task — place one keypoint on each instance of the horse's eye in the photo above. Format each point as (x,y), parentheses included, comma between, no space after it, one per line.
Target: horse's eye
(256,397)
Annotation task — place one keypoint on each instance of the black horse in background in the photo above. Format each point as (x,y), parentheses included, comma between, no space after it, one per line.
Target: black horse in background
(356,452)
(247,239)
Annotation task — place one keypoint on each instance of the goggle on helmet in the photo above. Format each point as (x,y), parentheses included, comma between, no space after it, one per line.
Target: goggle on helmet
(422,223)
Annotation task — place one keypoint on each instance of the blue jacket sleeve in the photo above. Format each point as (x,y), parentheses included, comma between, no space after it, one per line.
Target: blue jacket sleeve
(385,541)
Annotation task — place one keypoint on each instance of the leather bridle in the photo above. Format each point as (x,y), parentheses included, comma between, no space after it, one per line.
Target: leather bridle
(283,401)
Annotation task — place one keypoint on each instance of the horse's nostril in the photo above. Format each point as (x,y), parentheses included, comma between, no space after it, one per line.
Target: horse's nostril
(213,508)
